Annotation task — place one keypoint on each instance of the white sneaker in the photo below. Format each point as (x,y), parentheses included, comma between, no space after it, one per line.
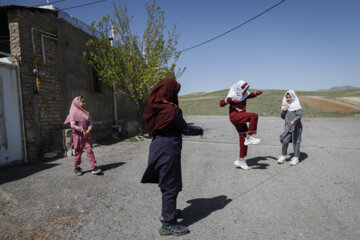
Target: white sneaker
(251,140)
(281,159)
(241,164)
(294,161)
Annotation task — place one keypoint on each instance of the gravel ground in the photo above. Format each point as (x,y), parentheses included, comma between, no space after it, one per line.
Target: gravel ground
(317,199)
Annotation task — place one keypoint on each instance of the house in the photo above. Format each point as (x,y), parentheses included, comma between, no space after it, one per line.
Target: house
(41,70)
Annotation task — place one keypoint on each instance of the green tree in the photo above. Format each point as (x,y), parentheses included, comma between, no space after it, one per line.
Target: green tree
(130,64)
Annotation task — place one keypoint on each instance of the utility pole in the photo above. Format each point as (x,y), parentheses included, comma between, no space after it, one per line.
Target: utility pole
(112,39)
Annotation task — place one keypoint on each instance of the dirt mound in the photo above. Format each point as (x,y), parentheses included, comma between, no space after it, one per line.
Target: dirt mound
(328,105)
(351,100)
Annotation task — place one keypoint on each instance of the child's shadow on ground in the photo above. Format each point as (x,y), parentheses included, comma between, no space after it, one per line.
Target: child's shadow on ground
(254,163)
(302,157)
(201,208)
(107,167)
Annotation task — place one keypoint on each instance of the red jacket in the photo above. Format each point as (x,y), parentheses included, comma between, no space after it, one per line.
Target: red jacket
(239,106)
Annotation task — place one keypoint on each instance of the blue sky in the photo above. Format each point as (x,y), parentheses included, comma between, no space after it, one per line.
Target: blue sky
(301,44)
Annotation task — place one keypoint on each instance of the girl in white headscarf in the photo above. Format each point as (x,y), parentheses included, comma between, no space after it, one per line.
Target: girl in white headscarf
(236,98)
(291,111)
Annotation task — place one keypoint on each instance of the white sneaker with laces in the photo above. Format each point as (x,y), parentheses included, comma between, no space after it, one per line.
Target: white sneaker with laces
(241,164)
(251,141)
(281,159)
(294,161)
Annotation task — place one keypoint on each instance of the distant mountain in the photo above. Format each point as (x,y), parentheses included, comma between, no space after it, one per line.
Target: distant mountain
(339,88)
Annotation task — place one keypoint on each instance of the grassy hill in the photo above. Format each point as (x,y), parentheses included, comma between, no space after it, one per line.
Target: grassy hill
(269,103)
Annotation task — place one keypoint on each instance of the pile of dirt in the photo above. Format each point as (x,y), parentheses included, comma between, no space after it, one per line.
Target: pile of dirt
(351,100)
(328,105)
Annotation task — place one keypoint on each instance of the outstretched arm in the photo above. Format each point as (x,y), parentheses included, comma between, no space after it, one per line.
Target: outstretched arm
(186,128)
(255,94)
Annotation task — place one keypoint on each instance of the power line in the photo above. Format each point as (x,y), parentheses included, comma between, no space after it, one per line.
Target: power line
(83,5)
(242,24)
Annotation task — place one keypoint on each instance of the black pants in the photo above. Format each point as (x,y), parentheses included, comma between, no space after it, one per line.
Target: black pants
(165,169)
(169,206)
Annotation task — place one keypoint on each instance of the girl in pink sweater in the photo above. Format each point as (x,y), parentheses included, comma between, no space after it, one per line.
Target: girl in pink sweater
(79,120)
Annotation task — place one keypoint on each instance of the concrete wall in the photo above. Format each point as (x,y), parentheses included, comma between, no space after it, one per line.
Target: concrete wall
(126,111)
(74,74)
(76,81)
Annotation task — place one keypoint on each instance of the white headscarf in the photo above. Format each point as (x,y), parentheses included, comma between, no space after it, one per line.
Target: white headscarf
(237,89)
(294,105)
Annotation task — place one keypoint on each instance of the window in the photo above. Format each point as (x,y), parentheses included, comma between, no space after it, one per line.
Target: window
(4,34)
(95,84)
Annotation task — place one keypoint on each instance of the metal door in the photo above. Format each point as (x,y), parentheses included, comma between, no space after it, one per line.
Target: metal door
(11,144)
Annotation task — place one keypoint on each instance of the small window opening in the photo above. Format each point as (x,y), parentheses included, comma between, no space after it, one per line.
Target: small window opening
(95,84)
(4,34)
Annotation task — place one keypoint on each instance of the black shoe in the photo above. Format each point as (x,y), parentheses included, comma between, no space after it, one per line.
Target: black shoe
(96,170)
(78,171)
(178,214)
(177,230)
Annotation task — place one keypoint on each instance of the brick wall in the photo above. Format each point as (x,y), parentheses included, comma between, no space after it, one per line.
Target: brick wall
(67,75)
(43,121)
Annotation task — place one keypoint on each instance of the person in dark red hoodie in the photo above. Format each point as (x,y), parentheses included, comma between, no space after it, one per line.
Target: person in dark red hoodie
(236,97)
(165,123)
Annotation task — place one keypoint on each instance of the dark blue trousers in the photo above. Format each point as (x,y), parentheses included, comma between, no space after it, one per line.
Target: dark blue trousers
(164,168)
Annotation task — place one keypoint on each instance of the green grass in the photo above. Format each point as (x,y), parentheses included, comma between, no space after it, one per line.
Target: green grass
(267,104)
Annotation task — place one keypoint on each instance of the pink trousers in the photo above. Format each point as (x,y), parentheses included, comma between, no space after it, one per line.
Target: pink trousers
(79,143)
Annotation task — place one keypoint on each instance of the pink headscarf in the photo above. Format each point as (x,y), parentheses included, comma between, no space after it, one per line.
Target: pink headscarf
(76,112)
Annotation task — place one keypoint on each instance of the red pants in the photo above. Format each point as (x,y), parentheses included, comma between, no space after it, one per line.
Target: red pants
(239,120)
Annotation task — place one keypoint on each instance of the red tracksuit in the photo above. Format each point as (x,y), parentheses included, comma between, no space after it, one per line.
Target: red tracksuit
(239,117)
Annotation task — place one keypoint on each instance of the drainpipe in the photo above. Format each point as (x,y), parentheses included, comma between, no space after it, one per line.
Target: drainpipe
(21,103)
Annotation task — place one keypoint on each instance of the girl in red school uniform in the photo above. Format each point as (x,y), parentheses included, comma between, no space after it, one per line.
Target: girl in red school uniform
(236,98)
(79,121)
